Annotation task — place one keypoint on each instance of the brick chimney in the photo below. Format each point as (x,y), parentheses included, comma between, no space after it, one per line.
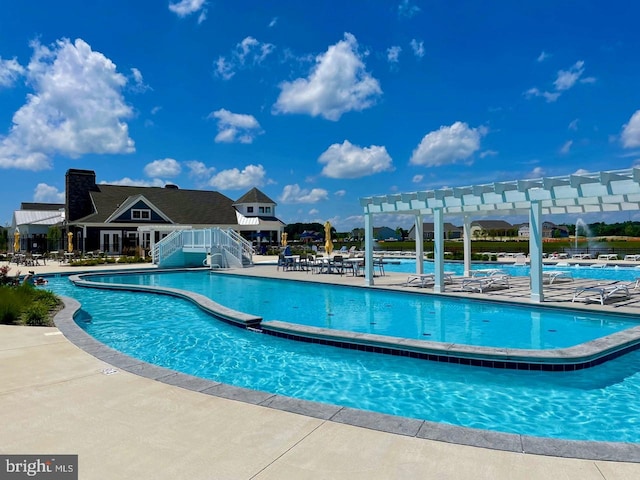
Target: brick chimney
(78,185)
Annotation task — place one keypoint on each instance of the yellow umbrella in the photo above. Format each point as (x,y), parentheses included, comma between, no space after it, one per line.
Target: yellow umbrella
(70,242)
(328,244)
(284,239)
(16,241)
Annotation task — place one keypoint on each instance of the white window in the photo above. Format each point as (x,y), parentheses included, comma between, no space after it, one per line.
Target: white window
(139,214)
(261,209)
(267,209)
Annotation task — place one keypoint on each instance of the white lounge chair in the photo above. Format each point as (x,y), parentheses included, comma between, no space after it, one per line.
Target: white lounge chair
(600,293)
(427,279)
(552,276)
(482,284)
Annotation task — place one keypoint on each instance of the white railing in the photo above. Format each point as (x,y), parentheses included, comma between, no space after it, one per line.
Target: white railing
(214,241)
(167,246)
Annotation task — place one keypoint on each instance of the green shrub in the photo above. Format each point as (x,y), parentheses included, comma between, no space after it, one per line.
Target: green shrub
(10,305)
(36,314)
(26,305)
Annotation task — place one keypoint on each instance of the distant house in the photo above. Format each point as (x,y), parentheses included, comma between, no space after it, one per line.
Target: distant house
(451,232)
(386,234)
(549,230)
(118,219)
(32,223)
(481,229)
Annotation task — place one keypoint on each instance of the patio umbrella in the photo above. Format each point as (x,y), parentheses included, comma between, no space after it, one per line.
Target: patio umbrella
(328,244)
(284,239)
(16,241)
(70,242)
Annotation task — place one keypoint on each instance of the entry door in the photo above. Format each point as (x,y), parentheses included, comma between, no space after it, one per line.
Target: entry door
(110,242)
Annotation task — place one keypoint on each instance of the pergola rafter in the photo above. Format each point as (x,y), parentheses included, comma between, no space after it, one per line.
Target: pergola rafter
(576,194)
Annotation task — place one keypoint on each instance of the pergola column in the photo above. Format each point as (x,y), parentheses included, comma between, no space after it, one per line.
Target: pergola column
(438,249)
(466,245)
(368,249)
(419,244)
(535,251)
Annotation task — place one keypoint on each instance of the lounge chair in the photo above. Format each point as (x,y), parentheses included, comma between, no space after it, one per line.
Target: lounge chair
(427,279)
(553,276)
(600,293)
(482,284)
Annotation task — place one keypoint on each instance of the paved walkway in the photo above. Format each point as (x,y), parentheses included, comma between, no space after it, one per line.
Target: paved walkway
(57,398)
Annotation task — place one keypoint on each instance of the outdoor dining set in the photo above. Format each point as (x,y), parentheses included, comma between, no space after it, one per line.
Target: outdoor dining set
(337,264)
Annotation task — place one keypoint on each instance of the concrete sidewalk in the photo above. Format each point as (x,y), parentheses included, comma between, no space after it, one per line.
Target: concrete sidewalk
(56,398)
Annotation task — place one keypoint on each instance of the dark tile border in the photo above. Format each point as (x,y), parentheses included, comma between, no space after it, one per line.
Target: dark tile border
(610,451)
(578,357)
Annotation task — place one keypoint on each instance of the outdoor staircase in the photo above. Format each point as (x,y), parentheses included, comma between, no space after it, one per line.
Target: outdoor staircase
(212,247)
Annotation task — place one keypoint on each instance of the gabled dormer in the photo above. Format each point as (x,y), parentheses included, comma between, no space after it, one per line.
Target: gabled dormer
(254,203)
(137,209)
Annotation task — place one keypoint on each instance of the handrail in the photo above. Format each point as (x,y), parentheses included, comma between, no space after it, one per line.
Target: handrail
(227,242)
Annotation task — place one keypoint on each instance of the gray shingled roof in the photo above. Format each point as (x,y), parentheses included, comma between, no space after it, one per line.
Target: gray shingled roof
(41,206)
(186,207)
(254,196)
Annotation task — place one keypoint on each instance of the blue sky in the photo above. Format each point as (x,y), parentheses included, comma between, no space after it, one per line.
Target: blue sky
(315,103)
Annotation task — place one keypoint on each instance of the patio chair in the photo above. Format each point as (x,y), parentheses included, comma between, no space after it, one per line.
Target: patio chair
(379,262)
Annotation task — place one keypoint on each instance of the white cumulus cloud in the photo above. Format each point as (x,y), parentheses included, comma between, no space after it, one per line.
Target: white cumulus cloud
(447,145)
(235,127)
(407,10)
(44,193)
(76,107)
(393,54)
(10,71)
(351,161)
(417,47)
(338,83)
(295,194)
(235,179)
(166,168)
(184,8)
(568,78)
(248,53)
(631,132)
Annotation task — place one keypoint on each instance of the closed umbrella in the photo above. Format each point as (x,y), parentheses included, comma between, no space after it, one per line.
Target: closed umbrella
(328,244)
(284,239)
(16,241)
(70,242)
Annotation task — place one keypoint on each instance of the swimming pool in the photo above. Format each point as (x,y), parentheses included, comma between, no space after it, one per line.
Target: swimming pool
(595,404)
(393,314)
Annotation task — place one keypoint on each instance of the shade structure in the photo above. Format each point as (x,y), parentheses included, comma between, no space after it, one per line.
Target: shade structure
(328,244)
(70,242)
(284,239)
(16,241)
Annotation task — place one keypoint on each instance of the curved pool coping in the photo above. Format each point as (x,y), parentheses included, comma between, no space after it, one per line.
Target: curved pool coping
(577,357)
(581,449)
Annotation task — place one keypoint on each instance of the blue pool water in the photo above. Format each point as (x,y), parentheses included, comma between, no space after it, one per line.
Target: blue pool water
(599,403)
(394,314)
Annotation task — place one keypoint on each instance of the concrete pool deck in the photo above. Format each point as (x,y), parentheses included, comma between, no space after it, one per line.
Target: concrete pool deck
(58,398)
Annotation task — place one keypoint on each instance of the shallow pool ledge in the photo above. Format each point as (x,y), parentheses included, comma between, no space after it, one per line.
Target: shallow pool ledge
(578,357)
(219,311)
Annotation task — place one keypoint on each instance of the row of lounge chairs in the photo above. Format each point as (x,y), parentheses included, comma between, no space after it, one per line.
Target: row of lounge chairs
(480,281)
(484,280)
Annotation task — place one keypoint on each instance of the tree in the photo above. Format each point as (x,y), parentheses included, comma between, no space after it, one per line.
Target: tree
(53,238)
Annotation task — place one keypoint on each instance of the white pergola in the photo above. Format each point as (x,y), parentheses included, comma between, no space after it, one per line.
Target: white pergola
(613,191)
